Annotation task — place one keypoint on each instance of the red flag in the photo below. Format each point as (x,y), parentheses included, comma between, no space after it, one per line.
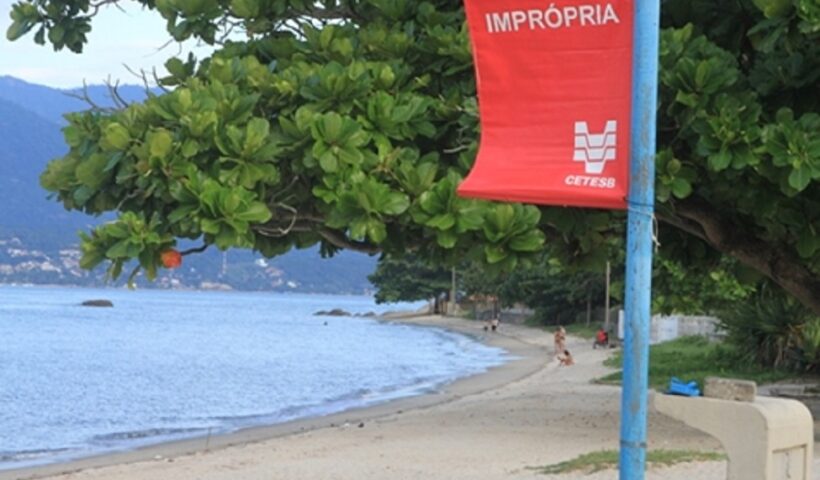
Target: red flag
(554,88)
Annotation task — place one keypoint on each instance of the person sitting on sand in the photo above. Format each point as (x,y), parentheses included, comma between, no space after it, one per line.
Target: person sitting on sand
(560,340)
(494,323)
(565,359)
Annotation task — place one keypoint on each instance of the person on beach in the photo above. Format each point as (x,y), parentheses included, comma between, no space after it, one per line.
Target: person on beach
(494,323)
(560,340)
(565,359)
(601,338)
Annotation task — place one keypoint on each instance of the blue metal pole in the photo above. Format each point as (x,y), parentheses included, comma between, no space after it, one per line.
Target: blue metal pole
(639,239)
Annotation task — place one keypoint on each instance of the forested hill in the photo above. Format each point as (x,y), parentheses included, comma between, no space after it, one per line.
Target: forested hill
(38,237)
(51,103)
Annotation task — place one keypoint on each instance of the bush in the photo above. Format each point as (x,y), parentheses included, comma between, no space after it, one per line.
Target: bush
(774,330)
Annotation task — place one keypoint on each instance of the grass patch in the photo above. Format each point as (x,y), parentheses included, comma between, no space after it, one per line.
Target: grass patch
(695,358)
(597,461)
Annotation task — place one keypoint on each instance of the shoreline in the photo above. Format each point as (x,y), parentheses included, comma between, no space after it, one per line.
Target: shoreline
(525,360)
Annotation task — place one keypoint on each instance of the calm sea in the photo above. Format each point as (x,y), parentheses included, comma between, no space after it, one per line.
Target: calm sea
(167,365)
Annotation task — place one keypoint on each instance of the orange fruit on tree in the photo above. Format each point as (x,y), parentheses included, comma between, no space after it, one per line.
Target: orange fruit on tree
(171,258)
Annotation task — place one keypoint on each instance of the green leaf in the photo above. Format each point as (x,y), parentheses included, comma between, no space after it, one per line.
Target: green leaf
(82,195)
(17,29)
(351,155)
(56,34)
(688,99)
(176,67)
(225,239)
(209,226)
(681,188)
(160,143)
(257,212)
(358,229)
(190,148)
(773,8)
(469,219)
(181,212)
(376,230)
(90,259)
(495,253)
(245,8)
(808,244)
(442,221)
(117,136)
(257,133)
(330,127)
(446,238)
(396,204)
(91,172)
(119,249)
(702,73)
(721,160)
(530,242)
(499,222)
(386,76)
(329,162)
(800,177)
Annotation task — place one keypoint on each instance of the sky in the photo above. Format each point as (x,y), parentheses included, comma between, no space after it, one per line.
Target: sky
(134,38)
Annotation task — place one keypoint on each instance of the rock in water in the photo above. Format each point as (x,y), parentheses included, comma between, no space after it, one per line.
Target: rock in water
(336,312)
(97,303)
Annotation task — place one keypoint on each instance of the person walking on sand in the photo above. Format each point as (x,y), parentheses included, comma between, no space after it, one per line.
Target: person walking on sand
(560,340)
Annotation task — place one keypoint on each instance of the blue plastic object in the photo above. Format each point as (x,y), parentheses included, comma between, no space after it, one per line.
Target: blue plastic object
(679,387)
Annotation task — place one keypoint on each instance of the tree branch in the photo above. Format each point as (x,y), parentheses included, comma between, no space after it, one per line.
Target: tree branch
(683,224)
(113,92)
(307,224)
(85,97)
(97,5)
(698,217)
(199,249)
(340,240)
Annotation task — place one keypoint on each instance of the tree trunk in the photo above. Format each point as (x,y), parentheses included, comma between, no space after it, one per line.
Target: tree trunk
(701,219)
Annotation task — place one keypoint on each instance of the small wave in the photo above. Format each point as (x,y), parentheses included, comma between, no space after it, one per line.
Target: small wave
(361,397)
(28,455)
(141,434)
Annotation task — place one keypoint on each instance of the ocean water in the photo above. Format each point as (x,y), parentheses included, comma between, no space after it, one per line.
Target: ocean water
(166,365)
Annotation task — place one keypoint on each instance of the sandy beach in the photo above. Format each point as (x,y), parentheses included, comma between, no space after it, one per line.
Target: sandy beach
(498,425)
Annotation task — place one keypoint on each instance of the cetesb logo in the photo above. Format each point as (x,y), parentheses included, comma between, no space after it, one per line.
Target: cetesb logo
(595,150)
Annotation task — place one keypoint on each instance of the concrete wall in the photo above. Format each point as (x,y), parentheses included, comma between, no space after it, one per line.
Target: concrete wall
(669,327)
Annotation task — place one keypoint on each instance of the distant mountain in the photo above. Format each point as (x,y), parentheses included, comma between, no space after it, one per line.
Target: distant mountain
(38,237)
(28,142)
(51,103)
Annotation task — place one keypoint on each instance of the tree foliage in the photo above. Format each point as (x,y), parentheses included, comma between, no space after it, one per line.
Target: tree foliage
(686,289)
(407,279)
(558,296)
(350,122)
